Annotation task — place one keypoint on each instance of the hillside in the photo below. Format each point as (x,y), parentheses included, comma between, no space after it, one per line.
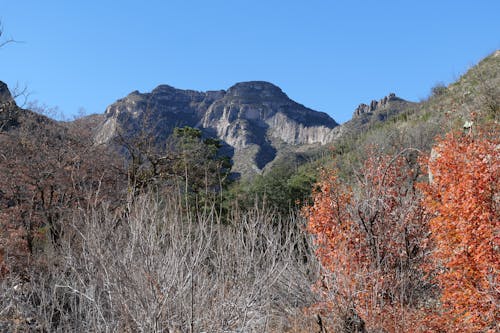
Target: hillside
(388,126)
(261,127)
(475,96)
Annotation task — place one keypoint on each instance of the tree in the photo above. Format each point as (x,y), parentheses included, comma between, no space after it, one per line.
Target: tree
(371,242)
(438,89)
(46,173)
(185,160)
(464,198)
(199,163)
(285,187)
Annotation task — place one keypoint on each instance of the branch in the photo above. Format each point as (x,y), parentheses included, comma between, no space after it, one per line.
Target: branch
(2,44)
(394,158)
(23,92)
(5,42)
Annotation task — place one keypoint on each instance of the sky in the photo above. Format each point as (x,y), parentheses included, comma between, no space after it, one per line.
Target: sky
(328,55)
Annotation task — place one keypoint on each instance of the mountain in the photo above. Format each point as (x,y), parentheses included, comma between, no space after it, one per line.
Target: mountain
(18,121)
(255,120)
(5,95)
(260,125)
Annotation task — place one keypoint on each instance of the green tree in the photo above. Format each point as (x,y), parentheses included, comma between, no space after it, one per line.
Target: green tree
(284,188)
(186,161)
(198,162)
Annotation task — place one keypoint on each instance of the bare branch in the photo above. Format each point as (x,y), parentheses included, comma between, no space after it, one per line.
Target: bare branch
(21,93)
(7,41)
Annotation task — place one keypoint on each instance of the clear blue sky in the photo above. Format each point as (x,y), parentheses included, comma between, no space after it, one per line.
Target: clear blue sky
(327,55)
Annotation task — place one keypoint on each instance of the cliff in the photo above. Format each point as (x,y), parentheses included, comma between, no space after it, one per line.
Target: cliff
(253,119)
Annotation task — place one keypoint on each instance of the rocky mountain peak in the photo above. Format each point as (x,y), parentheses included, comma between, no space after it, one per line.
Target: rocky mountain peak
(166,92)
(375,105)
(253,119)
(256,90)
(164,88)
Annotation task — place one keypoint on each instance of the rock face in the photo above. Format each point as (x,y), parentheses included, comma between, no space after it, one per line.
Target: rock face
(253,105)
(254,119)
(158,112)
(366,115)
(7,108)
(375,105)
(5,96)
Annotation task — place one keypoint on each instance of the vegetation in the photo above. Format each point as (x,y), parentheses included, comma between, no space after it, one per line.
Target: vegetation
(175,272)
(464,200)
(371,242)
(400,259)
(155,237)
(171,164)
(284,188)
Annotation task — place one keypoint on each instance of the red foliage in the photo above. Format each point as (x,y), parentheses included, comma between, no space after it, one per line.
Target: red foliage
(465,200)
(372,241)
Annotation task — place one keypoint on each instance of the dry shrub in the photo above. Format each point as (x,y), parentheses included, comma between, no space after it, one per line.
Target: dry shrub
(159,267)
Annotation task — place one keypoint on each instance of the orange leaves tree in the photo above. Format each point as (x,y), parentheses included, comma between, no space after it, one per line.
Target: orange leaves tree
(464,197)
(371,241)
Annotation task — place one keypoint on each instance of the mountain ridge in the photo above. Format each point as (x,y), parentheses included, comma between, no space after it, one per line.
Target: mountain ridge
(253,119)
(256,121)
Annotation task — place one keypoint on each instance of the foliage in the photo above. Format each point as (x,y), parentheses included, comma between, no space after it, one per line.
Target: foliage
(464,198)
(78,254)
(371,241)
(438,90)
(185,159)
(198,160)
(284,188)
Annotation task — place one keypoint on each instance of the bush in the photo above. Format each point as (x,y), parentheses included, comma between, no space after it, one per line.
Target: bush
(439,89)
(157,267)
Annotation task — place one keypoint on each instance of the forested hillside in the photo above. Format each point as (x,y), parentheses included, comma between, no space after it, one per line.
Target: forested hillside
(391,227)
(472,101)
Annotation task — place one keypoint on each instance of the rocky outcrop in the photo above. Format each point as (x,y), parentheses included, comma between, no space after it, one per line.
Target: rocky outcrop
(8,108)
(252,118)
(366,116)
(375,105)
(248,106)
(5,95)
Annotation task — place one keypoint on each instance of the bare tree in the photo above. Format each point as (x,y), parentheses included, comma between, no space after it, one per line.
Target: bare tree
(162,268)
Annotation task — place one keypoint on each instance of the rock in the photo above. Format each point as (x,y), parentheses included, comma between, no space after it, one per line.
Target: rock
(5,95)
(361,109)
(250,107)
(251,118)
(375,105)
(8,109)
